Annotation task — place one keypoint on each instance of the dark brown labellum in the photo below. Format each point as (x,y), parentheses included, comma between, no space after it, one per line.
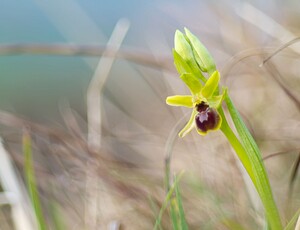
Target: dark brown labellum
(201,107)
(207,120)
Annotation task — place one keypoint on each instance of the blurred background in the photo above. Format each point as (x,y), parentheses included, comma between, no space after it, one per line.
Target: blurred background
(50,52)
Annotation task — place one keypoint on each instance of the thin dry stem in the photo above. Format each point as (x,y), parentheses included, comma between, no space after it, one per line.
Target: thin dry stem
(97,83)
(94,118)
(62,49)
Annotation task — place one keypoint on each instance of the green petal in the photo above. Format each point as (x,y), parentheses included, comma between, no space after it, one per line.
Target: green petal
(203,57)
(182,47)
(180,100)
(216,101)
(192,82)
(180,64)
(211,85)
(189,126)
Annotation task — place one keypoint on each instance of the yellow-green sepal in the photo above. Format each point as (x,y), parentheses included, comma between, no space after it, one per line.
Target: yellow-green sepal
(192,83)
(216,101)
(180,100)
(211,85)
(189,125)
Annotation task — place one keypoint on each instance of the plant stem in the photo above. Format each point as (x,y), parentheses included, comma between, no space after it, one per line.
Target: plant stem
(237,146)
(249,154)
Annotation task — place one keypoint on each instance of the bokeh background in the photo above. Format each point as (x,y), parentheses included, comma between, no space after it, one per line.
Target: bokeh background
(121,184)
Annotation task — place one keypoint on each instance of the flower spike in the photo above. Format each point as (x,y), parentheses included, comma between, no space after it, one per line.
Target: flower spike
(191,59)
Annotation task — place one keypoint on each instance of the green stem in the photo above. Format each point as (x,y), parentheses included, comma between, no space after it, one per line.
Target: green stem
(237,146)
(251,160)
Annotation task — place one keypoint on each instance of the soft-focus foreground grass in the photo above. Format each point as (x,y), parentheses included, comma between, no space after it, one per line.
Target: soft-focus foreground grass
(123,184)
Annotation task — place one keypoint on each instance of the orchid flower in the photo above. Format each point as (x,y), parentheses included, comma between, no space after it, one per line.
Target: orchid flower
(192,60)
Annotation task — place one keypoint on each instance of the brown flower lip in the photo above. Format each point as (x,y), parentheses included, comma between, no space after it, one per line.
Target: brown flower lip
(201,107)
(207,118)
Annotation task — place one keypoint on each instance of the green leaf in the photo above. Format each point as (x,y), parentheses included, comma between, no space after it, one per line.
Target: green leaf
(180,100)
(202,56)
(189,126)
(192,82)
(255,167)
(211,85)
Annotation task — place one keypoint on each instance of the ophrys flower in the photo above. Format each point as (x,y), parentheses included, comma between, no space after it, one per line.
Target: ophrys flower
(193,61)
(204,101)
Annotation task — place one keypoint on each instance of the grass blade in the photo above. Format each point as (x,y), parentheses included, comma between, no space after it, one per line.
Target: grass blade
(168,199)
(231,224)
(292,222)
(181,212)
(56,216)
(31,181)
(256,168)
(174,214)
(177,211)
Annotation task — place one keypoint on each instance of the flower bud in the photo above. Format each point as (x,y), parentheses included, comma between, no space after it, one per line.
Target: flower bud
(202,56)
(183,47)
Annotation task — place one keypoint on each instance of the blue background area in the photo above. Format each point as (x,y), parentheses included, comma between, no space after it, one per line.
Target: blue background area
(33,85)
